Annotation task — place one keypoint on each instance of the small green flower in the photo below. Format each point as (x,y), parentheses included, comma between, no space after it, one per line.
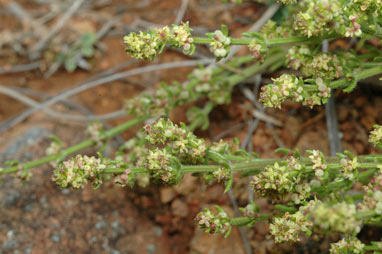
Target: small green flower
(147,45)
(284,87)
(214,223)
(143,45)
(96,131)
(274,181)
(372,200)
(23,174)
(182,38)
(78,171)
(258,49)
(376,136)
(290,227)
(251,210)
(220,46)
(222,174)
(124,179)
(352,245)
(339,217)
(349,167)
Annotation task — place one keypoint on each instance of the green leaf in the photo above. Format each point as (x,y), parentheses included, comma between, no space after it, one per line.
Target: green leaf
(87,50)
(11,163)
(283,150)
(224,29)
(285,208)
(228,184)
(219,209)
(88,38)
(56,139)
(210,35)
(70,65)
(351,86)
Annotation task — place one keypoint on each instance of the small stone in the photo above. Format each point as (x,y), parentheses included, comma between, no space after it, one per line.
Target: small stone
(101,225)
(151,248)
(55,238)
(93,239)
(166,195)
(187,185)
(179,208)
(157,231)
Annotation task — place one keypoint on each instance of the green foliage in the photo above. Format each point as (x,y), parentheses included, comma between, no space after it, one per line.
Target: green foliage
(310,194)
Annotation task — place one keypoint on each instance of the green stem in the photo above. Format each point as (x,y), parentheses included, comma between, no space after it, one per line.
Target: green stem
(371,247)
(73,149)
(358,76)
(270,42)
(365,215)
(242,221)
(253,164)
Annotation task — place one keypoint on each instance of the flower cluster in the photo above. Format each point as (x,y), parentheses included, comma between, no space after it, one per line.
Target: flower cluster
(339,217)
(224,147)
(258,49)
(283,87)
(79,170)
(160,165)
(372,199)
(220,45)
(274,181)
(376,136)
(214,223)
(143,45)
(222,174)
(158,102)
(301,192)
(23,174)
(290,227)
(272,30)
(146,45)
(203,75)
(316,17)
(217,90)
(288,86)
(323,65)
(53,148)
(319,165)
(349,167)
(251,210)
(182,38)
(124,179)
(181,142)
(352,245)
(95,131)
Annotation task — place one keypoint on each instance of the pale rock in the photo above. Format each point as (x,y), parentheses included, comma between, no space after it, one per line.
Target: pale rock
(166,195)
(179,208)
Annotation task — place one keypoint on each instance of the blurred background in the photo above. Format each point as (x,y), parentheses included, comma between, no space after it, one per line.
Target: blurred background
(60,65)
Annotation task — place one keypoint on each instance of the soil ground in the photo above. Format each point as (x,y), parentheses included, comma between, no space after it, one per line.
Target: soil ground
(38,217)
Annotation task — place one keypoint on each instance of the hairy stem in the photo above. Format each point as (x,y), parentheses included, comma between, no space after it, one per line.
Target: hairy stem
(73,149)
(251,165)
(270,42)
(358,76)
